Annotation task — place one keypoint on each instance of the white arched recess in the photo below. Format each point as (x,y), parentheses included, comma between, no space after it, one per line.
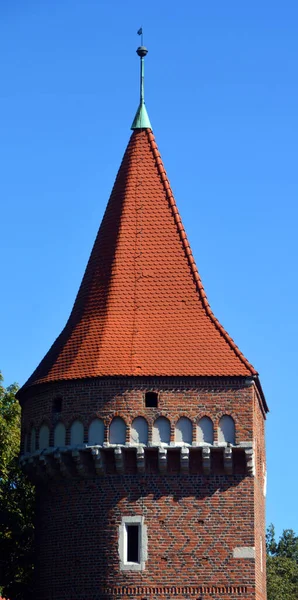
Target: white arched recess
(139,431)
(59,435)
(205,434)
(44,437)
(117,433)
(226,430)
(77,433)
(183,432)
(96,432)
(33,440)
(161,433)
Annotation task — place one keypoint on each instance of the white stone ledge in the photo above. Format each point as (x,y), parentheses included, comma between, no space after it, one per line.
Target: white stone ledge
(153,445)
(244,552)
(56,459)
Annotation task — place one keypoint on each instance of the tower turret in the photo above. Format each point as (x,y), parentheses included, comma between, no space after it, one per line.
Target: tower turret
(143,426)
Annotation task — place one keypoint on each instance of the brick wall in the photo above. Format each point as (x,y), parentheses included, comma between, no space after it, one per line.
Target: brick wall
(109,397)
(194,521)
(259,491)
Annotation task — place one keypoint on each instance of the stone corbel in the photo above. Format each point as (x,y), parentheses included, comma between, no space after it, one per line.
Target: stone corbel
(61,464)
(184,460)
(118,454)
(46,464)
(162,459)
(228,460)
(76,455)
(250,460)
(141,460)
(206,458)
(97,460)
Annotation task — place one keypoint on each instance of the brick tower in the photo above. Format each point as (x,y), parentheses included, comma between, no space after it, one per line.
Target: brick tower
(143,426)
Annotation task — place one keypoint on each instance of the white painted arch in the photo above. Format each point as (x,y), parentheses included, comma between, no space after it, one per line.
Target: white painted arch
(117,431)
(226,430)
(96,432)
(205,432)
(44,437)
(161,433)
(139,431)
(77,433)
(59,435)
(183,432)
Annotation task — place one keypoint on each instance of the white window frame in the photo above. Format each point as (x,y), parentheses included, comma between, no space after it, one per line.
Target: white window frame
(125,565)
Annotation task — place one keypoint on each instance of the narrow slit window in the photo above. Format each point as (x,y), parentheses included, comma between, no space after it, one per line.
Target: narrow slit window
(133,544)
(151,399)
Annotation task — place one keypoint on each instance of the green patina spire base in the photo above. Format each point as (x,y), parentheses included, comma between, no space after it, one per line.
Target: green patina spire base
(141,120)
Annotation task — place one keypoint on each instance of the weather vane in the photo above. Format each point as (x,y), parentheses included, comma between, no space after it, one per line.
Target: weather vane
(140,32)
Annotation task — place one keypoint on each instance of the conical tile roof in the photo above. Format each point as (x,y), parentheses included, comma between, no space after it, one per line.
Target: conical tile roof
(141,308)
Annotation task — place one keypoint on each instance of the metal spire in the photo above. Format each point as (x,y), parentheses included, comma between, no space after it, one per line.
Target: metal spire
(141,120)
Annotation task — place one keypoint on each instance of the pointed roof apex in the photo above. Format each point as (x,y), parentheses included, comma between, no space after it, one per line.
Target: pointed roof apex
(141,309)
(141,120)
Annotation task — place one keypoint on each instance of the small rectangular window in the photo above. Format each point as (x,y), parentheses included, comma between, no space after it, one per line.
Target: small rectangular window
(57,405)
(132,543)
(151,399)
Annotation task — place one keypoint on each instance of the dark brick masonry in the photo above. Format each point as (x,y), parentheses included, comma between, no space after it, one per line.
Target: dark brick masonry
(194,521)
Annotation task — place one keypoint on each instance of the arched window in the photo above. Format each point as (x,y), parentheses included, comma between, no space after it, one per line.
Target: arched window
(26,441)
(161,431)
(96,432)
(226,429)
(183,431)
(117,431)
(139,431)
(77,433)
(59,435)
(44,437)
(33,440)
(205,431)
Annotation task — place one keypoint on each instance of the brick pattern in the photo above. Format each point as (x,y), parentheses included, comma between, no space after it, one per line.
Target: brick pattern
(191,534)
(109,397)
(194,521)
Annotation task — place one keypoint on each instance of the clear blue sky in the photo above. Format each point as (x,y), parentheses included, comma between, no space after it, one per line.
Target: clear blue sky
(222,96)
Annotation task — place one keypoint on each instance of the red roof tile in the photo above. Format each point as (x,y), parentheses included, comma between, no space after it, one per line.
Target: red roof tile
(141,308)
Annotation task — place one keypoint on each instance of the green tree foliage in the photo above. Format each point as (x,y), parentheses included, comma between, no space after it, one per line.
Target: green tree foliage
(282,565)
(16,505)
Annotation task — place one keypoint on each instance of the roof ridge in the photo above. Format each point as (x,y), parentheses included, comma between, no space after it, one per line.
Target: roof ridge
(189,255)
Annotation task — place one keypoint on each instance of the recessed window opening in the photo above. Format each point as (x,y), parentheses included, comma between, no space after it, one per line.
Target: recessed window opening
(77,433)
(133,543)
(117,433)
(57,405)
(44,437)
(96,432)
(59,435)
(139,431)
(226,430)
(161,431)
(151,399)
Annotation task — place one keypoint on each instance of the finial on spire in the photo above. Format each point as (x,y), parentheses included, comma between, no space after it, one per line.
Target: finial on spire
(141,120)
